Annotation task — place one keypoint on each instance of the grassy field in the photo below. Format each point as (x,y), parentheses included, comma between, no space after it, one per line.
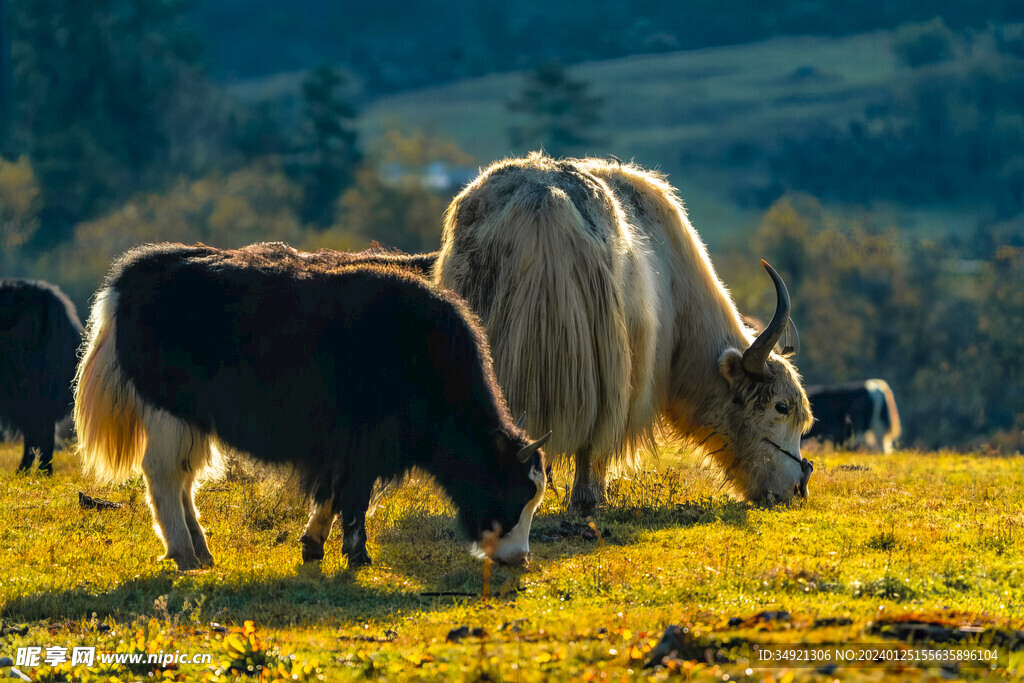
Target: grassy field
(914,542)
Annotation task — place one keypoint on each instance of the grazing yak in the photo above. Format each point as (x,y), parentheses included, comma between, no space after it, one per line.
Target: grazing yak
(855,414)
(351,370)
(607,319)
(39,339)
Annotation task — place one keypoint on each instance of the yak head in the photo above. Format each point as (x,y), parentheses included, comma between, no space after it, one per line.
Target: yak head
(757,427)
(501,525)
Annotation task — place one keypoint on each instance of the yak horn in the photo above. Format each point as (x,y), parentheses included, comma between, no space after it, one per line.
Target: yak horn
(521,421)
(755,357)
(526,452)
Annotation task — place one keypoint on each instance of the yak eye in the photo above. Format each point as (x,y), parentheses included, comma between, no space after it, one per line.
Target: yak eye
(782,407)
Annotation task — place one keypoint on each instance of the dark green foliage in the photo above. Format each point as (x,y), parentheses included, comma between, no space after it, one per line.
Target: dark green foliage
(397,45)
(919,44)
(6,75)
(948,132)
(330,151)
(93,83)
(560,112)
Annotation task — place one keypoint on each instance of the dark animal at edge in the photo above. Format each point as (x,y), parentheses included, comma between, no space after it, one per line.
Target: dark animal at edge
(347,366)
(39,338)
(856,413)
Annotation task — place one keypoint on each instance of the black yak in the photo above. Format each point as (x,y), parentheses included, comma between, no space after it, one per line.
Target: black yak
(854,414)
(39,339)
(606,318)
(350,372)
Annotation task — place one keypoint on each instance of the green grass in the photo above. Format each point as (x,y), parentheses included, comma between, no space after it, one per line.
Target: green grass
(931,537)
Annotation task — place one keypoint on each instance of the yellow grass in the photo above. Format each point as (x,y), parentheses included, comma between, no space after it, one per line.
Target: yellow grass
(934,537)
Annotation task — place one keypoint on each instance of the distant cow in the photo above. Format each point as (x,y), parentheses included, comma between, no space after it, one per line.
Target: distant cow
(39,339)
(607,320)
(856,413)
(350,372)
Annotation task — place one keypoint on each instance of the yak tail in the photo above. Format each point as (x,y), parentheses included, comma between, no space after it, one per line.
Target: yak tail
(108,411)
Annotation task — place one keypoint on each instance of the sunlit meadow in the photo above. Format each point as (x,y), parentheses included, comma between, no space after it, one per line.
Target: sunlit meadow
(886,548)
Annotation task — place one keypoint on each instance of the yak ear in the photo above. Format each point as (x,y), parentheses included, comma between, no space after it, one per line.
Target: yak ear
(730,364)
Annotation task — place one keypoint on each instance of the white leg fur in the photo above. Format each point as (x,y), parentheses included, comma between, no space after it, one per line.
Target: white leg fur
(169,468)
(192,521)
(321,519)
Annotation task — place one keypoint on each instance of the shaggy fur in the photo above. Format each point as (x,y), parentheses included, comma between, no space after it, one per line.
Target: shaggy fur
(607,320)
(39,339)
(349,367)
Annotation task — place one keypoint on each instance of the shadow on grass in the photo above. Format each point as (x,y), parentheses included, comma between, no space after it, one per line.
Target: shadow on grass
(428,549)
(421,563)
(307,597)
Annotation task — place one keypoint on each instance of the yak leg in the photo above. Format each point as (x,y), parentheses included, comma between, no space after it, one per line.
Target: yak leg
(164,467)
(38,439)
(46,445)
(321,519)
(589,484)
(195,531)
(353,515)
(28,455)
(886,442)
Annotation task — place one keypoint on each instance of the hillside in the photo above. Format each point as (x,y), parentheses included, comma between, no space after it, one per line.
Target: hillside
(712,97)
(397,45)
(709,118)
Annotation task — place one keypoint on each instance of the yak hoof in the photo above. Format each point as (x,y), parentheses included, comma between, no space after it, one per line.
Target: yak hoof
(185,563)
(312,551)
(585,505)
(357,560)
(583,509)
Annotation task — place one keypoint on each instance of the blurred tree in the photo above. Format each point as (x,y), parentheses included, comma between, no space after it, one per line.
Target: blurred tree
(253,203)
(1001,313)
(6,76)
(948,131)
(93,81)
(19,208)
(331,143)
(403,206)
(417,150)
(560,113)
(406,215)
(257,132)
(926,43)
